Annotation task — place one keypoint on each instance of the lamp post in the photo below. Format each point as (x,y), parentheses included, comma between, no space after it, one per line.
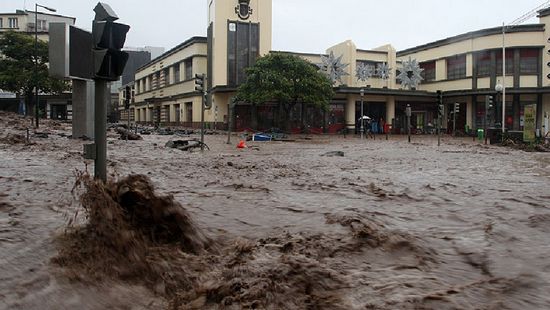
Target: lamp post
(362,92)
(37,106)
(503,85)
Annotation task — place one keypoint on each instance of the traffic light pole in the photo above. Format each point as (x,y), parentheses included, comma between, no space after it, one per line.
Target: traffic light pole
(232,103)
(439,131)
(100,128)
(128,133)
(454,122)
(408,113)
(202,122)
(486,120)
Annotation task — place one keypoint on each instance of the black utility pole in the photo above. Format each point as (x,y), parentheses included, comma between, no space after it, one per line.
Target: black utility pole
(456,109)
(232,103)
(408,112)
(200,87)
(36,84)
(440,113)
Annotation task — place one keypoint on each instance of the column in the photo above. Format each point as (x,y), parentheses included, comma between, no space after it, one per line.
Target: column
(350,112)
(390,109)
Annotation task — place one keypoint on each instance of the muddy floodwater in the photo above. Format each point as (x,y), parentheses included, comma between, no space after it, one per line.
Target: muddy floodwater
(388,225)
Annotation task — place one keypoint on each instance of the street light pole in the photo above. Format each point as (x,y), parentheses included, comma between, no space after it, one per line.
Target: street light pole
(37,104)
(503,79)
(362,92)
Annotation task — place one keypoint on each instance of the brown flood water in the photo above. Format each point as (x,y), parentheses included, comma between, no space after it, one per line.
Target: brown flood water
(390,225)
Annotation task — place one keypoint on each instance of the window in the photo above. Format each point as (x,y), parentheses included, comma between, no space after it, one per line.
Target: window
(483,63)
(148,82)
(12,22)
(242,50)
(189,112)
(456,67)
(188,63)
(1,24)
(166,73)
(42,24)
(177,73)
(509,62)
(156,79)
(429,70)
(529,60)
(372,64)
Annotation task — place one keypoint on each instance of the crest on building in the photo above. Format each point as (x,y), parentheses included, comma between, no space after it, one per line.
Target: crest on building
(243,9)
(409,74)
(333,67)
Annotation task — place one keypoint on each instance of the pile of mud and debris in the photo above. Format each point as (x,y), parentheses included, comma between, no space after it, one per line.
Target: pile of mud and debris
(527,147)
(133,234)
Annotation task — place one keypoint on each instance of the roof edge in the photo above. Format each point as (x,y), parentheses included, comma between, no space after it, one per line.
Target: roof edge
(177,48)
(471,35)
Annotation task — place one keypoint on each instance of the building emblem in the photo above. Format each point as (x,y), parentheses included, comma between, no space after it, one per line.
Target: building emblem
(410,74)
(333,67)
(243,9)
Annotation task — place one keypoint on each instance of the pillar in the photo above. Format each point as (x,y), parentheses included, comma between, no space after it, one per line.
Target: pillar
(350,113)
(390,109)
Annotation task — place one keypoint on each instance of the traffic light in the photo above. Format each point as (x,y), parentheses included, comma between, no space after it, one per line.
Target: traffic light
(457,107)
(440,110)
(207,101)
(108,39)
(127,96)
(439,97)
(199,82)
(488,102)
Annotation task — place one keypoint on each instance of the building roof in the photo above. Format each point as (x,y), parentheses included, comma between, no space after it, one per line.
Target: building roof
(471,35)
(174,50)
(544,12)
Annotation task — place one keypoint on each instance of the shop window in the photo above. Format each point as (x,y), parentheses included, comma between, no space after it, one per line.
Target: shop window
(428,74)
(529,60)
(456,67)
(483,63)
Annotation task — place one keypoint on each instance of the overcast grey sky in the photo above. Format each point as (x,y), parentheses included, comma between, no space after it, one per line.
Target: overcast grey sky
(305,25)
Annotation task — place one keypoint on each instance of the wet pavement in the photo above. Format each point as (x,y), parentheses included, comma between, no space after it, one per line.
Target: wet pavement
(389,225)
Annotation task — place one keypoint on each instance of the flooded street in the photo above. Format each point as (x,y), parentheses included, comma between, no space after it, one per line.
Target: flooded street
(389,225)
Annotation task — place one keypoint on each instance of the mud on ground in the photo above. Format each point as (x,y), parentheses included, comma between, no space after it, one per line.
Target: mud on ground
(389,225)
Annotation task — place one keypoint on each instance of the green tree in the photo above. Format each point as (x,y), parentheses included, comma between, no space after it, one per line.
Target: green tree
(286,80)
(17,67)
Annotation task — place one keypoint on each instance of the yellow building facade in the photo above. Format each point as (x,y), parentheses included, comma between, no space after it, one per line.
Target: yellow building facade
(466,68)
